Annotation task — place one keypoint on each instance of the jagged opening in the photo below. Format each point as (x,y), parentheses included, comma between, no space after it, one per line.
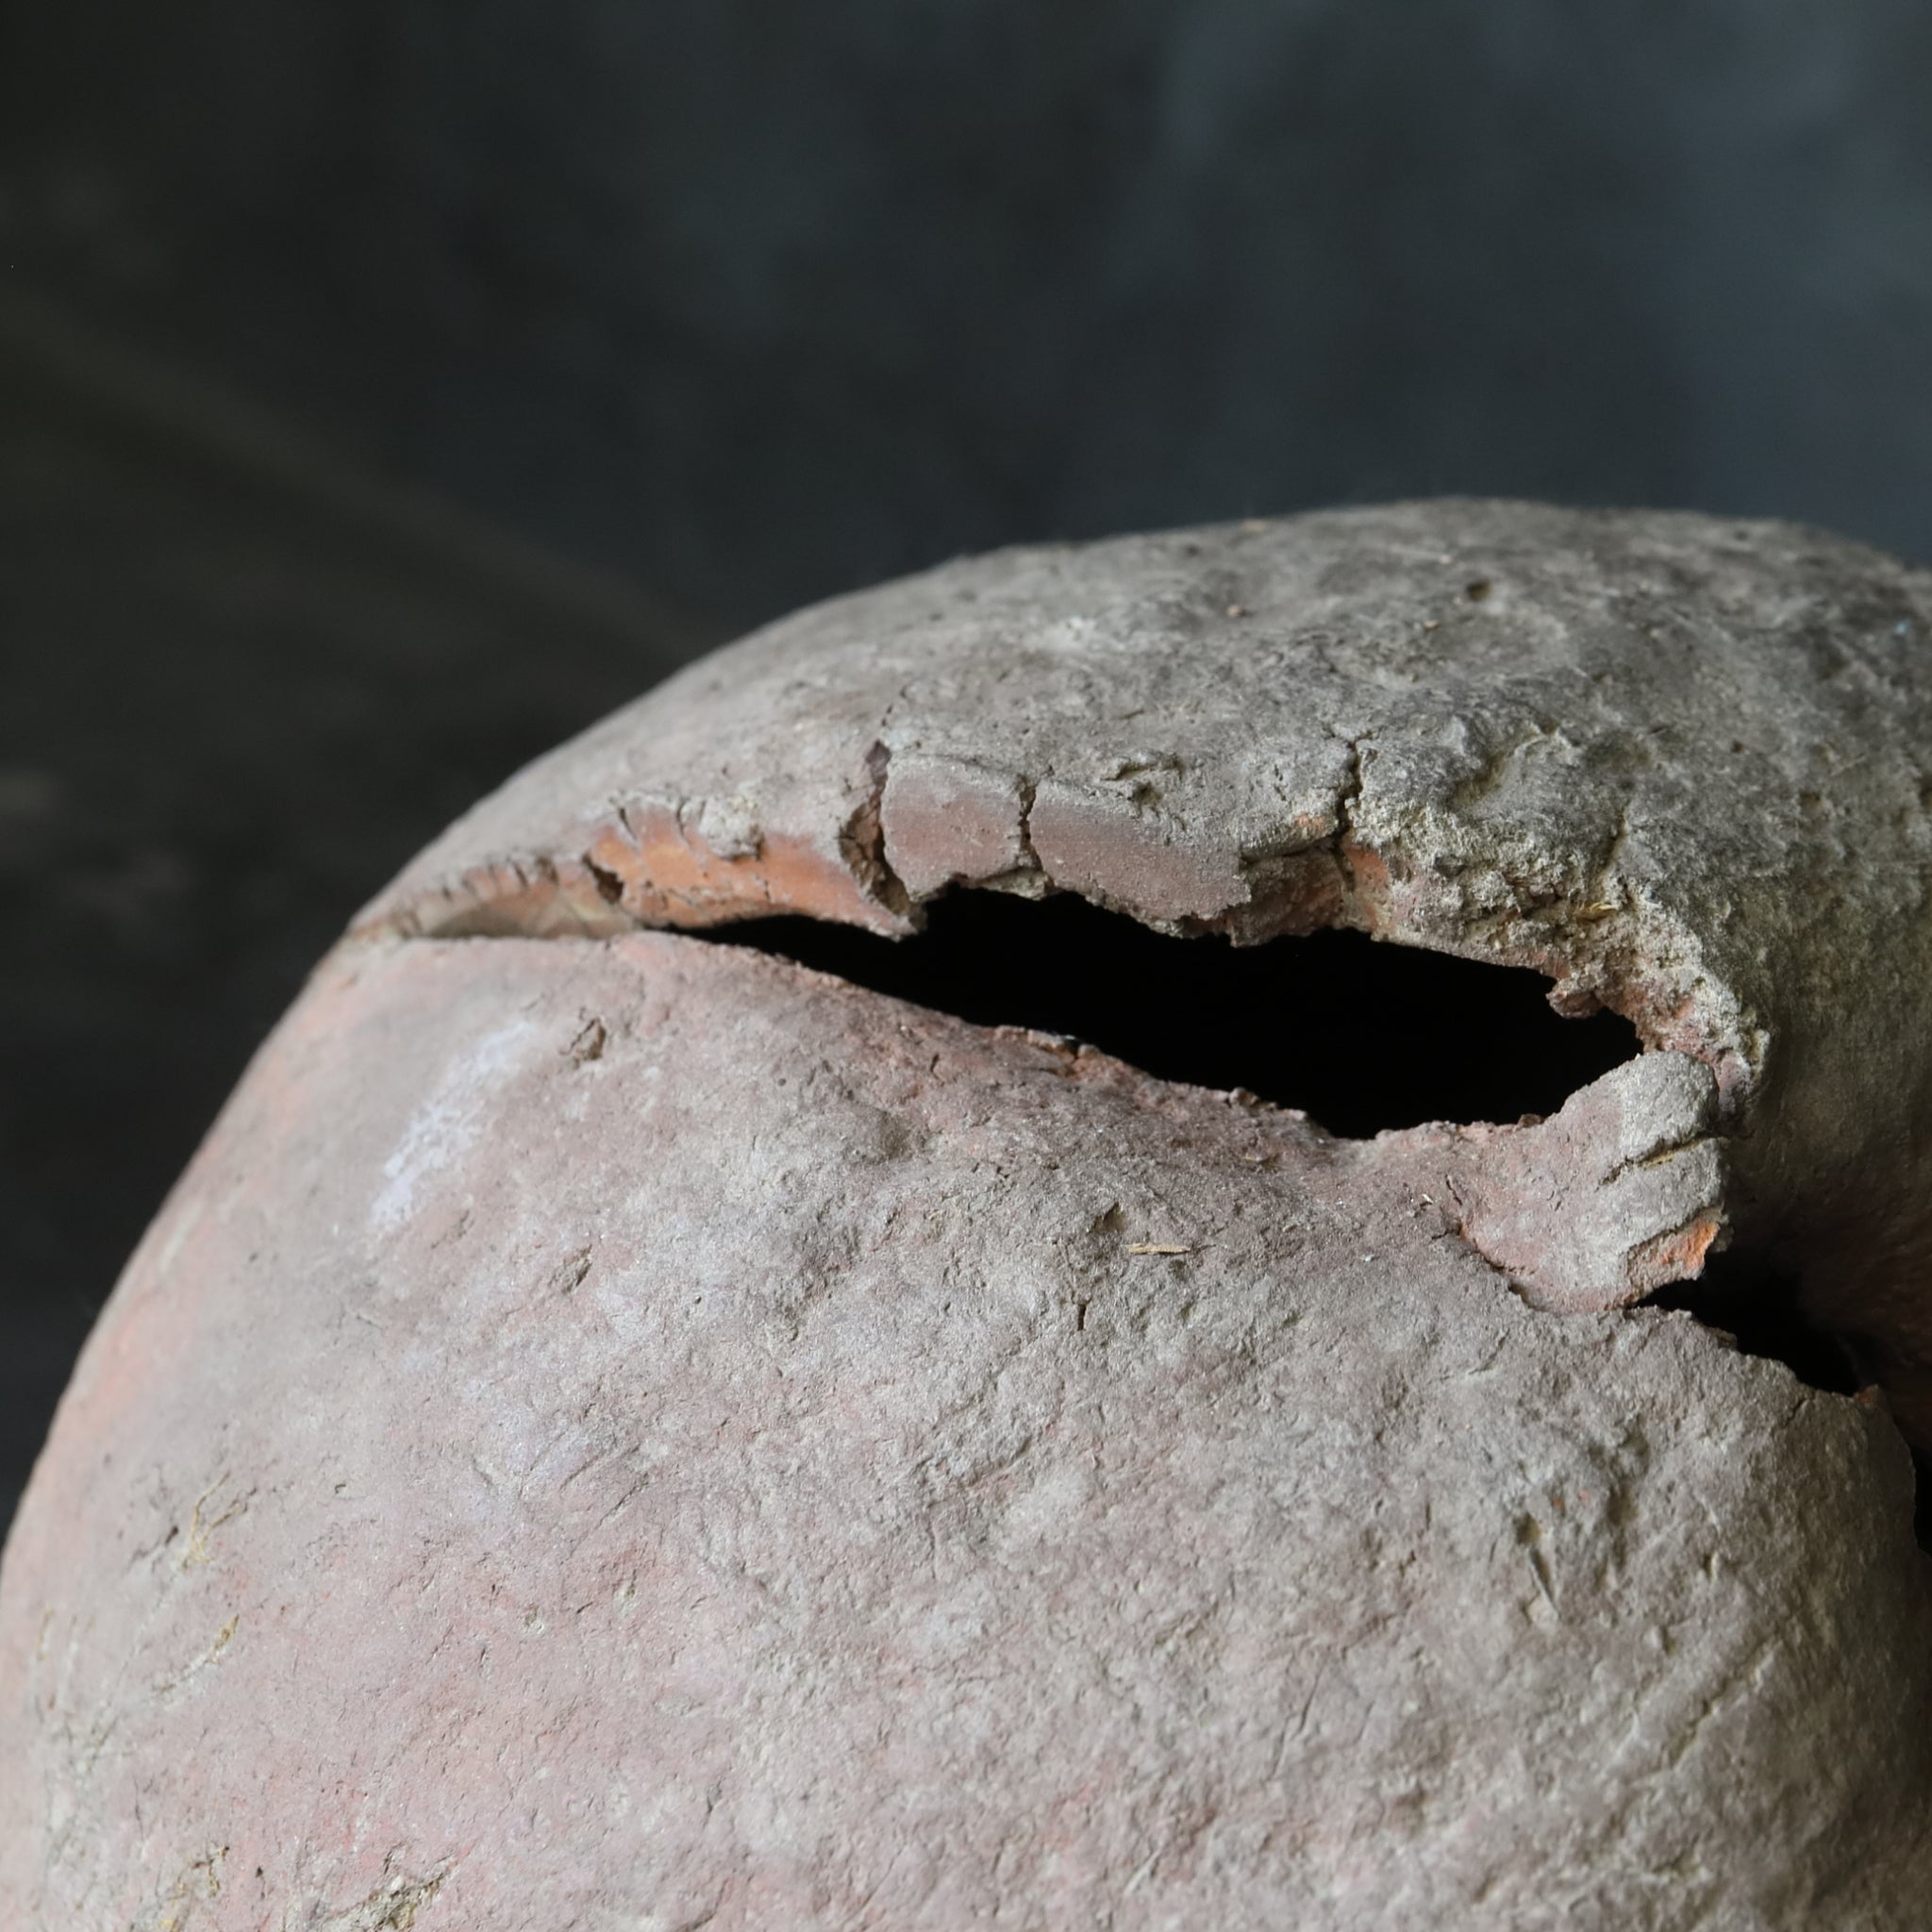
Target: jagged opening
(1361,1035)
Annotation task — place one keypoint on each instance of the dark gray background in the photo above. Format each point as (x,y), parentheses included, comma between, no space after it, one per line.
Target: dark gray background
(743,304)
(759,299)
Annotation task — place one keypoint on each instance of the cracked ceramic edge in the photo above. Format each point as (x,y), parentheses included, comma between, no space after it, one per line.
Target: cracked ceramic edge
(1676,763)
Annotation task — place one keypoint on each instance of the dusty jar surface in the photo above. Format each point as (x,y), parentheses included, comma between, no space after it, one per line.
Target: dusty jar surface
(621,1430)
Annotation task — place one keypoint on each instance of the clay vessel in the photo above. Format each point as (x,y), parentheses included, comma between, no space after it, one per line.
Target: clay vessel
(617,1429)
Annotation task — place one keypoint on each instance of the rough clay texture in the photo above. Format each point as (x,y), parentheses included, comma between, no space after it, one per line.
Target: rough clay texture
(641,1435)
(1683,766)
(616,1432)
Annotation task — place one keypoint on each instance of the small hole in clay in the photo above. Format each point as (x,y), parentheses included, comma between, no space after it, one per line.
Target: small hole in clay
(1758,1304)
(1361,1035)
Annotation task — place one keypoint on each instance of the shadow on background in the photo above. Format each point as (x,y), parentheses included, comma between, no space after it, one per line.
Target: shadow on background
(748,302)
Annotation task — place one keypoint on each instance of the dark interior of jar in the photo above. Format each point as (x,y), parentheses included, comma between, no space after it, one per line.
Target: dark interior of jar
(1359,1035)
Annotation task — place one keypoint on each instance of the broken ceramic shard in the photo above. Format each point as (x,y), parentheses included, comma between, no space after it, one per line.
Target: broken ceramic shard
(813,1458)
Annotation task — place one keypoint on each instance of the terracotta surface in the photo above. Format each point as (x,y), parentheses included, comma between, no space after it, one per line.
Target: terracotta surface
(1678,764)
(616,1431)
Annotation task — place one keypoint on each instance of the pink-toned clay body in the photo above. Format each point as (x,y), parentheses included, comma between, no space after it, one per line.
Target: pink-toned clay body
(615,1431)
